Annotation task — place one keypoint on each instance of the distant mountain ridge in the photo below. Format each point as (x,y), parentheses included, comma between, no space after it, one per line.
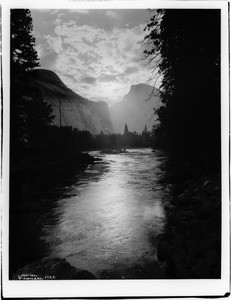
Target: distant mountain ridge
(136,109)
(76,111)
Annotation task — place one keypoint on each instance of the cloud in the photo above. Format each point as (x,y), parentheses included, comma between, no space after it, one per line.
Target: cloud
(79,11)
(54,43)
(88,80)
(57,21)
(112,14)
(108,78)
(130,70)
(48,60)
(53,11)
(107,60)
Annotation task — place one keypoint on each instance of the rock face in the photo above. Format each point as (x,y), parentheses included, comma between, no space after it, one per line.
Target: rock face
(76,111)
(136,109)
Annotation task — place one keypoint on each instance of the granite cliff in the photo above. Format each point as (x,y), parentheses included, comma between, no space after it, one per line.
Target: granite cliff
(136,109)
(75,110)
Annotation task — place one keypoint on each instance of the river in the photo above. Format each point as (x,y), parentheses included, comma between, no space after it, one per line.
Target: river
(104,219)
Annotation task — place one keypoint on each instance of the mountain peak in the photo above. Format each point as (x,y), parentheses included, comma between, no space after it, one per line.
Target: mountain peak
(142,86)
(139,85)
(139,92)
(49,76)
(135,110)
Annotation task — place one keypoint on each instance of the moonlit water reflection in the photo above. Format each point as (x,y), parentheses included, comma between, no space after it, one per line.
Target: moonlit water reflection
(110,218)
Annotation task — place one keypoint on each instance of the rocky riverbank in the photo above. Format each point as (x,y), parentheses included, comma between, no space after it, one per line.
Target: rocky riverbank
(51,269)
(191,246)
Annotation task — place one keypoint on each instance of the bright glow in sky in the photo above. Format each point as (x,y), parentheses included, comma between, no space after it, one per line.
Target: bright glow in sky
(97,53)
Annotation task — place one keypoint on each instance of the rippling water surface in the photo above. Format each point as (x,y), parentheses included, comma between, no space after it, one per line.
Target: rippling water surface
(105,218)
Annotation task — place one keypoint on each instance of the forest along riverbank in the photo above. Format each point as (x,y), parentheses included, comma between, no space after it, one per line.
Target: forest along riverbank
(50,162)
(191,245)
(104,219)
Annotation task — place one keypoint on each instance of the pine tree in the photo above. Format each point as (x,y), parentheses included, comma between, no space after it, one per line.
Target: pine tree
(23,54)
(29,113)
(186,46)
(126,129)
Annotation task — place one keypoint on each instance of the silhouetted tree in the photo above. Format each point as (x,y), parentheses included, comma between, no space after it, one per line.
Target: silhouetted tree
(38,114)
(126,129)
(185,44)
(23,54)
(29,114)
(146,137)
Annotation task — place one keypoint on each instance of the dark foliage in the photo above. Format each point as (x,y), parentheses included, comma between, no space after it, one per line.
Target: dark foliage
(66,139)
(59,147)
(186,46)
(125,129)
(29,113)
(23,54)
(126,140)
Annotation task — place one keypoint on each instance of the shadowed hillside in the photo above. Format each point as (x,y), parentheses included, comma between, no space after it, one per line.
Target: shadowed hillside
(76,111)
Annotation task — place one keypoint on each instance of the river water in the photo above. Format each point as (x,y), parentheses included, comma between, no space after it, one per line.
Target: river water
(104,219)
